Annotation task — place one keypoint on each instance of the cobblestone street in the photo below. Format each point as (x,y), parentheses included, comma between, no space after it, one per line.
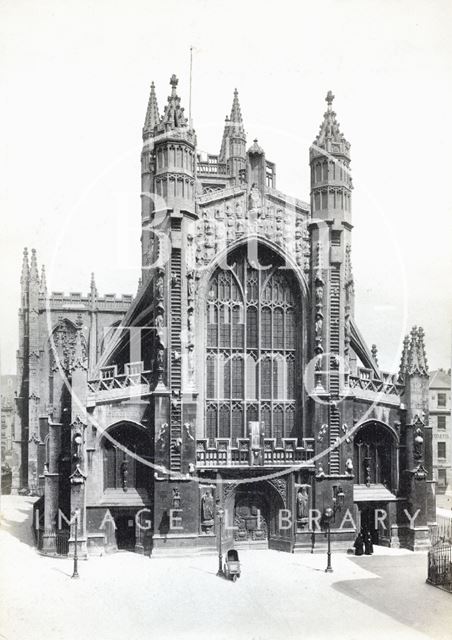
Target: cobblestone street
(278,595)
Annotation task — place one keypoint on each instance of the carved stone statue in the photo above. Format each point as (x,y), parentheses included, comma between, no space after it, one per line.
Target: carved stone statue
(302,504)
(207,511)
(418,442)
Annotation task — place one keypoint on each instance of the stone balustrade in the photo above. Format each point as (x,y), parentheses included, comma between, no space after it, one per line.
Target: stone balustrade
(223,454)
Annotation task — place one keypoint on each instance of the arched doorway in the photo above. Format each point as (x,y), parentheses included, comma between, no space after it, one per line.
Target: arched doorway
(376,479)
(126,480)
(256,509)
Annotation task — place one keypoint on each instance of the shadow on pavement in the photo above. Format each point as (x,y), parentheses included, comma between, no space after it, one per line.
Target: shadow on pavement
(400,591)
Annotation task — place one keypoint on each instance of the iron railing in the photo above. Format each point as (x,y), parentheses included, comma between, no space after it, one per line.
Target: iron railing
(60,540)
(439,570)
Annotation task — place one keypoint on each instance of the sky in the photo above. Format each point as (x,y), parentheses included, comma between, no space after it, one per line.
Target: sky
(74,85)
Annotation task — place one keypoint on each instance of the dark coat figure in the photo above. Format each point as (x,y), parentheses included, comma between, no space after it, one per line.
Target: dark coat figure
(368,545)
(359,545)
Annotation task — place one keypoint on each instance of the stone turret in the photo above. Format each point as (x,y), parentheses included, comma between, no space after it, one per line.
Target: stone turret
(332,278)
(167,170)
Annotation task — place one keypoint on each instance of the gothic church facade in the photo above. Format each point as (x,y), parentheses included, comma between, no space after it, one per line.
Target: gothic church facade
(236,378)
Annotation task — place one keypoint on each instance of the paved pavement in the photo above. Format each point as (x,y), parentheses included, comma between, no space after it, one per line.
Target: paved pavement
(279,595)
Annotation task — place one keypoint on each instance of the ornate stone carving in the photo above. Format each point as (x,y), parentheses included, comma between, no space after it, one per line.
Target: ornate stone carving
(221,223)
(162,437)
(63,345)
(78,476)
(323,431)
(418,444)
(280,485)
(187,427)
(228,489)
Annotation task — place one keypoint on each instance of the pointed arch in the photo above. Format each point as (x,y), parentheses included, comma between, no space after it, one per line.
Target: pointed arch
(258,321)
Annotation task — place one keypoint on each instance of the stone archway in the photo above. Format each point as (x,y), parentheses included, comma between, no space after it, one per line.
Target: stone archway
(256,509)
(375,453)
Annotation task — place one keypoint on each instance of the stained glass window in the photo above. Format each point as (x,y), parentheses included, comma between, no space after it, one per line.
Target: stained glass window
(266,328)
(278,329)
(252,358)
(251,328)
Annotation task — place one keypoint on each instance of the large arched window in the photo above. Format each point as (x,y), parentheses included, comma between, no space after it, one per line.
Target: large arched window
(252,356)
(121,470)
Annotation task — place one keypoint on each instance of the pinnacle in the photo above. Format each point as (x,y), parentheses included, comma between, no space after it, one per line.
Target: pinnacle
(152,113)
(236,120)
(417,361)
(404,360)
(93,288)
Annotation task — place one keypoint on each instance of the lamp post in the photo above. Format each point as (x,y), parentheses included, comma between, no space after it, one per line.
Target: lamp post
(329,515)
(220,514)
(75,572)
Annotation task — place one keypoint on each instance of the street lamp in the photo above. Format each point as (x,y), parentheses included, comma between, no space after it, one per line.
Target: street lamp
(329,515)
(75,572)
(220,514)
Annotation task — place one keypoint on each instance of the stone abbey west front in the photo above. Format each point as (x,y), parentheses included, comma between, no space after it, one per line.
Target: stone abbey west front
(236,376)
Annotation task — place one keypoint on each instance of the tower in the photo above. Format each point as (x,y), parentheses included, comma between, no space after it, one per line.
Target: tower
(168,216)
(331,277)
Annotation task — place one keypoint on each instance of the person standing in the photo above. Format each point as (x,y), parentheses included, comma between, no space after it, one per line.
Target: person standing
(368,544)
(359,545)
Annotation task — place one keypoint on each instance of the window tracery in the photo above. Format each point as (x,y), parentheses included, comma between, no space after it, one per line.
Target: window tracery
(252,355)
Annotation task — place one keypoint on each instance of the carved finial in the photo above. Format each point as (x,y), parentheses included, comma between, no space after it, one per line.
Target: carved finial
(374,352)
(423,365)
(25,267)
(329,98)
(43,283)
(173,82)
(34,274)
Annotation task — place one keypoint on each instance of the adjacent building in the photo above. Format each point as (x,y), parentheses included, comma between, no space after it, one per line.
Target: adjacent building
(234,395)
(440,420)
(7,388)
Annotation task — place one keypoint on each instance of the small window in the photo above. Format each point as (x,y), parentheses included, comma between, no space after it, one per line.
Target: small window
(441,449)
(442,478)
(441,423)
(441,399)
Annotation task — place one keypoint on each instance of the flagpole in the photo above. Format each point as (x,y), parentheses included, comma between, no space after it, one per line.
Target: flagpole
(189,100)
